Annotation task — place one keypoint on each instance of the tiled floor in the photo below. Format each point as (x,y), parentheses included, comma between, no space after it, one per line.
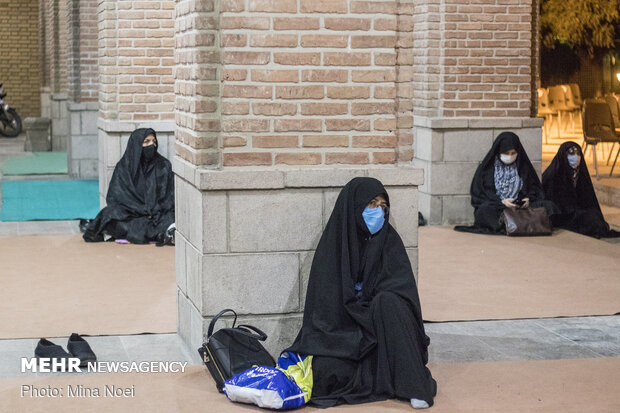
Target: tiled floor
(39,228)
(143,347)
(532,339)
(503,340)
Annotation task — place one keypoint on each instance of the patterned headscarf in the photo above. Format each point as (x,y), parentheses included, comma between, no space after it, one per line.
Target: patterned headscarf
(508,183)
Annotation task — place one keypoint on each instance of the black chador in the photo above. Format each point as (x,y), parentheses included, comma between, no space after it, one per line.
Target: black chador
(495,181)
(140,199)
(572,192)
(362,319)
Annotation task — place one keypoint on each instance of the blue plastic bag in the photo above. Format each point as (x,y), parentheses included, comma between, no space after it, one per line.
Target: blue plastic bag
(298,368)
(265,387)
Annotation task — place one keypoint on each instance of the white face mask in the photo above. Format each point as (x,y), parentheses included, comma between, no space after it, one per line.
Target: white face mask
(507,159)
(574,160)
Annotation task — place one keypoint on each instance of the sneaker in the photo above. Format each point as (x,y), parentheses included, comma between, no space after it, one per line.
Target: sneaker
(78,347)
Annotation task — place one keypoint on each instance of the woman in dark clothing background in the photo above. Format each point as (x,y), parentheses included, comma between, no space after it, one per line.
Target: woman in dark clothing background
(362,320)
(504,179)
(140,199)
(568,184)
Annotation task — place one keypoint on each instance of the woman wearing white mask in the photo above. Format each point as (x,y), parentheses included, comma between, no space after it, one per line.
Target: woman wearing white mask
(567,183)
(504,179)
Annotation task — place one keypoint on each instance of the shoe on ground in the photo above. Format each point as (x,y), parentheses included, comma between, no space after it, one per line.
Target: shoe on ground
(78,347)
(47,349)
(165,238)
(83,225)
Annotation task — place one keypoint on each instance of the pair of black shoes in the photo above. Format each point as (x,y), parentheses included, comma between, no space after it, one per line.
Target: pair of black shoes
(77,346)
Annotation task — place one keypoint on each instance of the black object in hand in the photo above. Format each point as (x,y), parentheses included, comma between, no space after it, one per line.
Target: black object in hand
(518,202)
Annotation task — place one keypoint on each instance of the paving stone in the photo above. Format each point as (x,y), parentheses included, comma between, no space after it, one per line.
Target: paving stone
(154,347)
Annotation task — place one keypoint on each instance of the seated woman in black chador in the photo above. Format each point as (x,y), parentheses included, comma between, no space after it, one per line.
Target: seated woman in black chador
(140,199)
(505,179)
(568,185)
(362,320)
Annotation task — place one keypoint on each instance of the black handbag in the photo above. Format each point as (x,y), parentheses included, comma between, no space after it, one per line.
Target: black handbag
(230,351)
(526,221)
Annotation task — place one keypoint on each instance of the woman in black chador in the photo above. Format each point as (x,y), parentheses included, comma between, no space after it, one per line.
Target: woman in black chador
(362,320)
(140,199)
(567,183)
(504,179)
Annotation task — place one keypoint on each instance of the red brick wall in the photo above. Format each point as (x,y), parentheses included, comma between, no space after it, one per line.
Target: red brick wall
(20,68)
(136,60)
(316,82)
(54,43)
(82,33)
(475,58)
(197,86)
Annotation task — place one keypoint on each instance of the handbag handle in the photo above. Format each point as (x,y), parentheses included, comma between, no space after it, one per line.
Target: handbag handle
(260,335)
(214,320)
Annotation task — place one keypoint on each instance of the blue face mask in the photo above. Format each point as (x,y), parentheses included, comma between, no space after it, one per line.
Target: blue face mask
(574,160)
(374,219)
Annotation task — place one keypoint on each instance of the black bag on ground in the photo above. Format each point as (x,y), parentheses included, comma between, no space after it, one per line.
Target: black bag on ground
(527,221)
(230,351)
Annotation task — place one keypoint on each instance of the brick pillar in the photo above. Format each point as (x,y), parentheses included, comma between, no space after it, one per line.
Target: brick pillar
(82,88)
(19,66)
(136,83)
(473,79)
(54,60)
(279,104)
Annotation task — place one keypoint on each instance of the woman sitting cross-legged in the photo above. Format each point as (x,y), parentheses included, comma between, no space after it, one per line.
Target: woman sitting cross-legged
(140,199)
(568,184)
(362,320)
(504,179)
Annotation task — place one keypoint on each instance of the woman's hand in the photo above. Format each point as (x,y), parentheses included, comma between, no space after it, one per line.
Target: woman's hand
(526,203)
(508,203)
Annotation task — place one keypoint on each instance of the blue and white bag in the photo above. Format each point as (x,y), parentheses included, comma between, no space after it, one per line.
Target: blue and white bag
(265,387)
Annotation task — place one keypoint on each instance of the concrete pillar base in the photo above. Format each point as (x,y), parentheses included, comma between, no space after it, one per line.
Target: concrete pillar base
(37,135)
(82,151)
(246,239)
(60,122)
(450,149)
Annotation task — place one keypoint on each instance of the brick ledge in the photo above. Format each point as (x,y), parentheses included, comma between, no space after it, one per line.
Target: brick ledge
(121,127)
(477,123)
(324,177)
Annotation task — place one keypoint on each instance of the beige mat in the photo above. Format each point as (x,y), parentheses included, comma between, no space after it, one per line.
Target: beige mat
(55,285)
(579,385)
(476,277)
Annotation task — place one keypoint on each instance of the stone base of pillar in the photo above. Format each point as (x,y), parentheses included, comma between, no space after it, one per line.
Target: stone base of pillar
(450,149)
(46,102)
(82,152)
(112,140)
(246,238)
(37,135)
(60,122)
